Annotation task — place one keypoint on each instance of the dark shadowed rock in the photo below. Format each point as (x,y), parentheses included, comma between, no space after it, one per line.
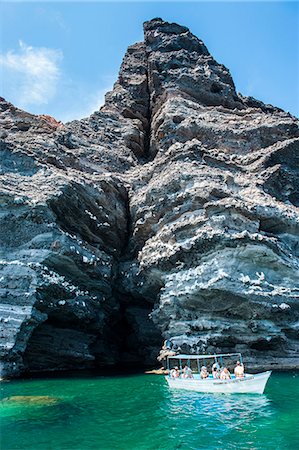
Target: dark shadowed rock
(170,213)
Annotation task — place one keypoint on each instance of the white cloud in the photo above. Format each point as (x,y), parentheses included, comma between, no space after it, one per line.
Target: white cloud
(31,74)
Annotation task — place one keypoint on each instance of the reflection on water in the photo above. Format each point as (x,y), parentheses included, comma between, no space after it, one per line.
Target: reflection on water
(216,418)
(237,407)
(142,413)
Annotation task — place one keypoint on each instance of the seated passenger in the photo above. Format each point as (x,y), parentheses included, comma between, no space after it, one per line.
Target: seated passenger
(204,373)
(225,374)
(187,372)
(239,370)
(216,364)
(215,372)
(175,373)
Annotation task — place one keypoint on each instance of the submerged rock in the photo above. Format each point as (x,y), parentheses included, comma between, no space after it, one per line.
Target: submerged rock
(171,213)
(41,400)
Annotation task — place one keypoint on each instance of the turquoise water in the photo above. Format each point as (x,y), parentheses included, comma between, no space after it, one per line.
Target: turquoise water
(140,412)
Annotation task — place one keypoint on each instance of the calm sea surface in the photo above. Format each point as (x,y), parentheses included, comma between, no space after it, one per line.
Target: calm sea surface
(140,412)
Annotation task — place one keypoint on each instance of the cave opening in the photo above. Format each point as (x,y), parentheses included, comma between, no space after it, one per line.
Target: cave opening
(127,340)
(140,339)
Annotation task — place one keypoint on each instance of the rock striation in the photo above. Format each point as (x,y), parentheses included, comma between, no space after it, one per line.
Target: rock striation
(170,213)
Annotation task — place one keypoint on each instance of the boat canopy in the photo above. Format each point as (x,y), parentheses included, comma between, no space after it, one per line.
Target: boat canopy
(220,355)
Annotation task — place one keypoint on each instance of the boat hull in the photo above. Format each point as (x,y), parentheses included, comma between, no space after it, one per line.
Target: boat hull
(250,384)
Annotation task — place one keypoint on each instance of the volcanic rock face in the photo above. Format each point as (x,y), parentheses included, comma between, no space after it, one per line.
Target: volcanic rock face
(170,213)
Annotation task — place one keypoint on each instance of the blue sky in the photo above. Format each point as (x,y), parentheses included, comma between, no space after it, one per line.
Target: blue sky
(59,58)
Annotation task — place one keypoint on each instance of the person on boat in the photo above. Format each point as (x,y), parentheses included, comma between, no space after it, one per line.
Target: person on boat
(204,373)
(225,374)
(175,373)
(239,370)
(216,364)
(215,372)
(187,372)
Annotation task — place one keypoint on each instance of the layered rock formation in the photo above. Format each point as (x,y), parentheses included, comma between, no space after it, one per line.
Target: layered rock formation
(170,213)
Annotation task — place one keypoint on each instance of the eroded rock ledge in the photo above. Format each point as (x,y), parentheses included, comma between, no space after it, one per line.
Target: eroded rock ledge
(170,213)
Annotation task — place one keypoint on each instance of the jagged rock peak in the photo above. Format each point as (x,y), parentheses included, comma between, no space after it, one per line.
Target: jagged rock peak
(170,65)
(168,28)
(167,36)
(170,59)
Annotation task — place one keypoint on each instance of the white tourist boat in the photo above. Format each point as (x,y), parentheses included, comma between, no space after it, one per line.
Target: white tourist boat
(249,384)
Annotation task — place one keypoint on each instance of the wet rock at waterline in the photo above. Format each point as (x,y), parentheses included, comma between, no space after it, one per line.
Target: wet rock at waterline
(172,212)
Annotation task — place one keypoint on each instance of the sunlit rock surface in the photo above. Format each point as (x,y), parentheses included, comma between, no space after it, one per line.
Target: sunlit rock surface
(170,213)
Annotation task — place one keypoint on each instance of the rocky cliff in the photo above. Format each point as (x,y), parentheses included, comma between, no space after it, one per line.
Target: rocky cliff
(170,213)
